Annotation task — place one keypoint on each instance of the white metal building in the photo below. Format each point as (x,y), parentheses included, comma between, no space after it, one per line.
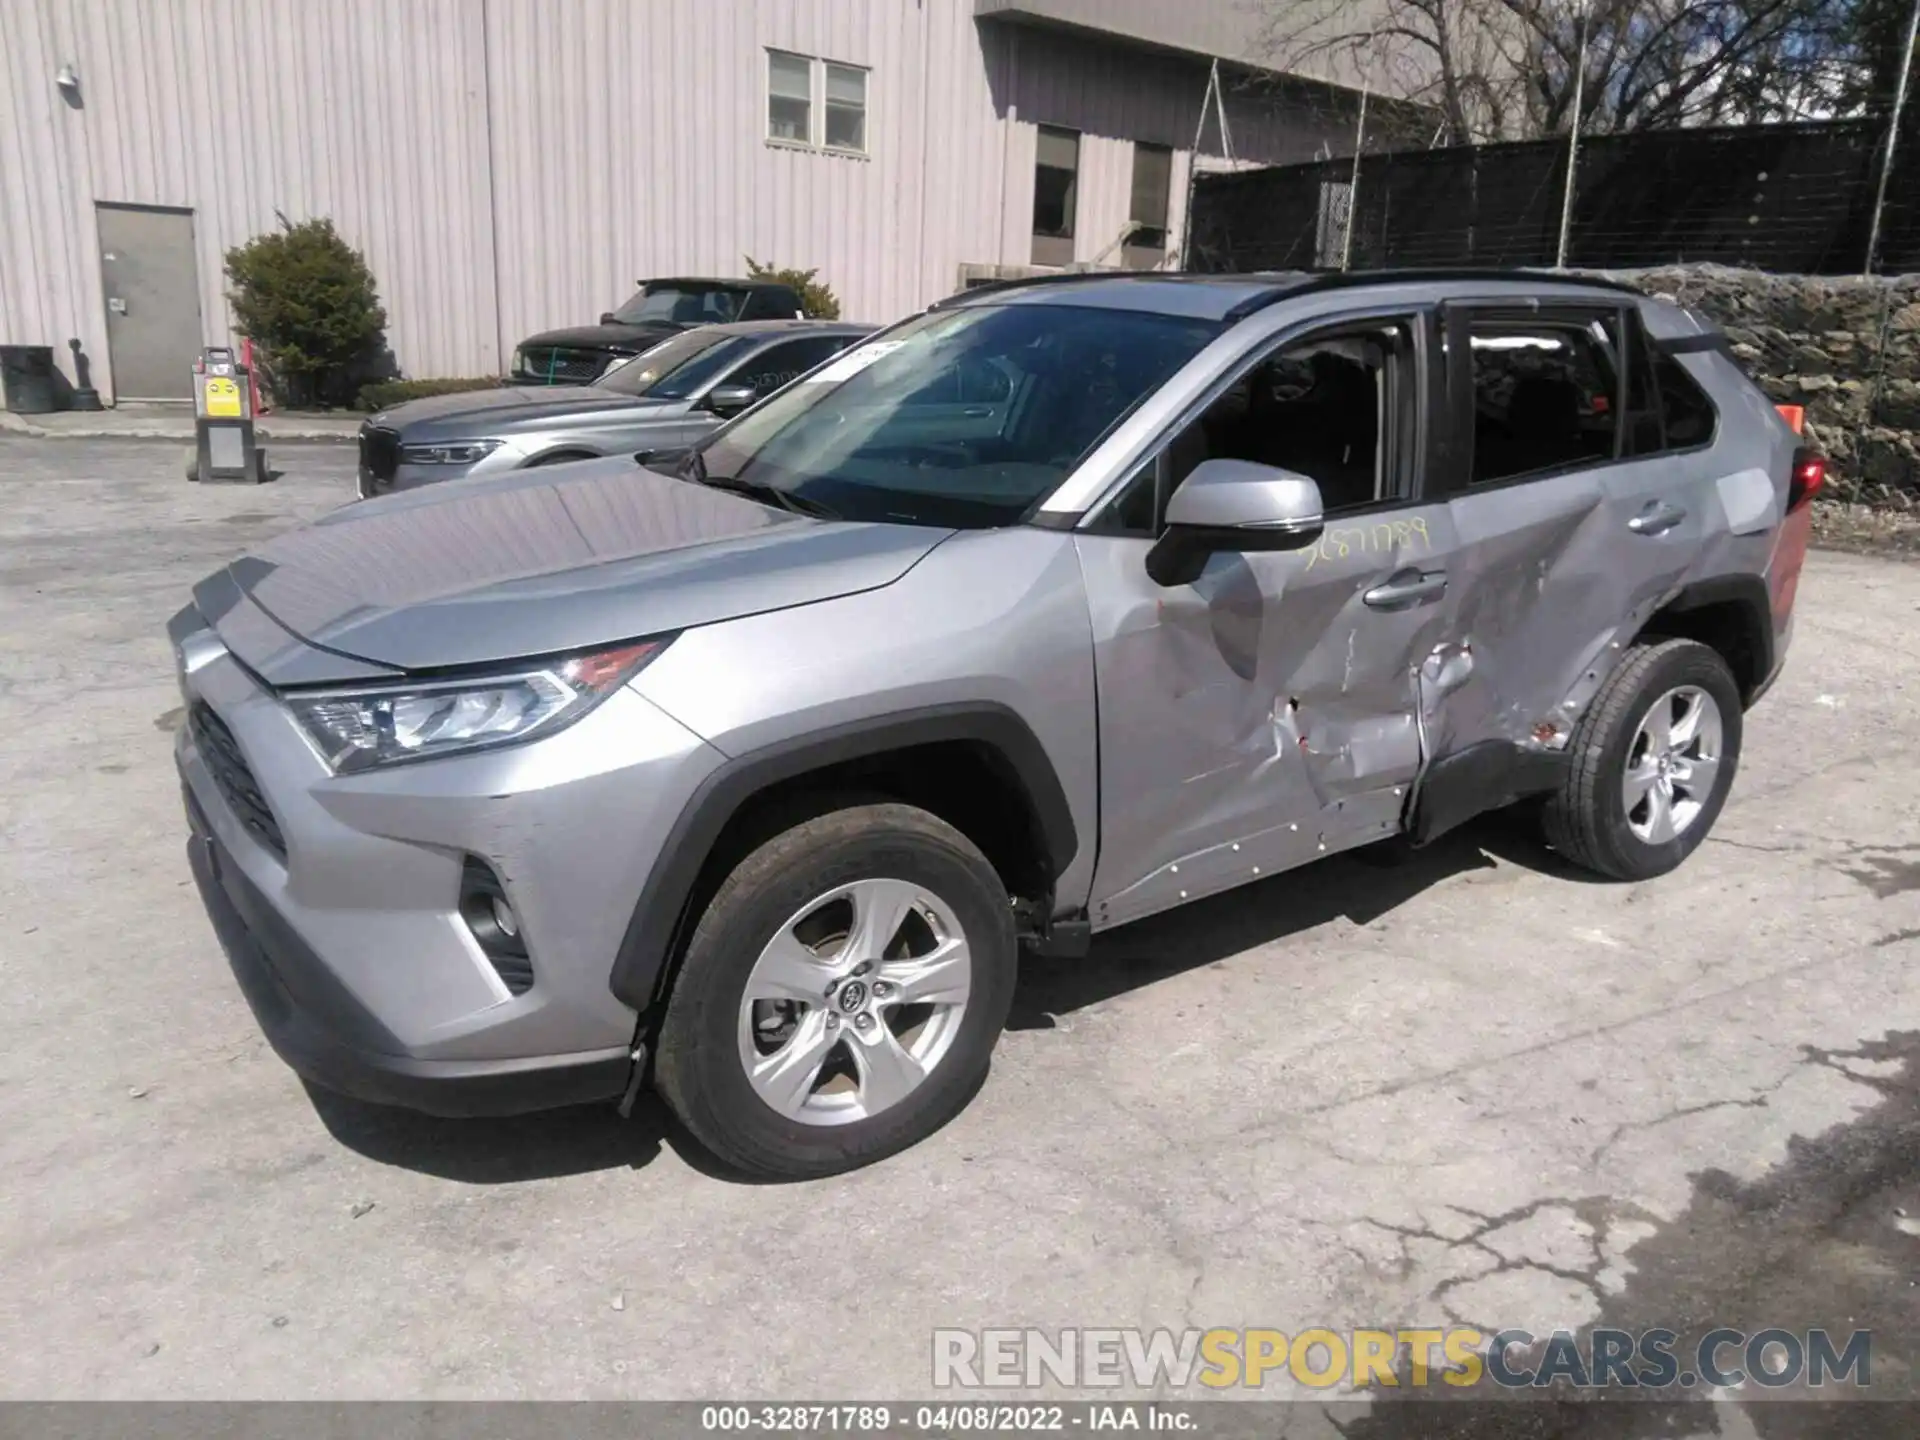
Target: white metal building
(513,165)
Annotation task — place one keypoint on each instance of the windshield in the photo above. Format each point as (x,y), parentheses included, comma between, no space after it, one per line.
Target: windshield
(674,369)
(682,304)
(958,417)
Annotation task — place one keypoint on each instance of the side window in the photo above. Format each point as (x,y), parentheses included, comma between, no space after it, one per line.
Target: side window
(1690,417)
(772,368)
(1338,408)
(1544,394)
(968,381)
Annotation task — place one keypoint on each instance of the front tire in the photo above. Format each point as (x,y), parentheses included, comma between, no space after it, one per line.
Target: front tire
(841,995)
(1653,760)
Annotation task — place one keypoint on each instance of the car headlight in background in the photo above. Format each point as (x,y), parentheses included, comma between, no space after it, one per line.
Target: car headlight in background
(454,452)
(360,729)
(519,363)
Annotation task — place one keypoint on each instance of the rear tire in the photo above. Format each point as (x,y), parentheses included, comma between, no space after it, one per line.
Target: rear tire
(1633,807)
(747,1059)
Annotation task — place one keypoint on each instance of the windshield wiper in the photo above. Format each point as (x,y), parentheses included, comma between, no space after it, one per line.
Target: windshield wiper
(695,469)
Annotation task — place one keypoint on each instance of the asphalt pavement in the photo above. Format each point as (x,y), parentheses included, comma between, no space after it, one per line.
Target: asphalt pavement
(1472,1088)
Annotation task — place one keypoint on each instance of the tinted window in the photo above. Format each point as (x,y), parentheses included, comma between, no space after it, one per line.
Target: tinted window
(675,369)
(866,437)
(775,366)
(682,304)
(1689,413)
(1544,395)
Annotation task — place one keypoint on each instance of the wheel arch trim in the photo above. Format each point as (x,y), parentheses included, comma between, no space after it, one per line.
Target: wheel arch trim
(659,917)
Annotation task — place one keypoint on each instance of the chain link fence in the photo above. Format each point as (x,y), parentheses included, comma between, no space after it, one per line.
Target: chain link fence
(1763,229)
(1791,199)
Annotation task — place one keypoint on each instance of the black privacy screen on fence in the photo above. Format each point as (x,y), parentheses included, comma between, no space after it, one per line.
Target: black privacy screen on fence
(1790,198)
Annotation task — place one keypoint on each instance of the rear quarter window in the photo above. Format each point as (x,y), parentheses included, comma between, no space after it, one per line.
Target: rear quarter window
(1689,415)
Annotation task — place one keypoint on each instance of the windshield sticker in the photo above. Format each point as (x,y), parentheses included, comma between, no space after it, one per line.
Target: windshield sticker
(854,361)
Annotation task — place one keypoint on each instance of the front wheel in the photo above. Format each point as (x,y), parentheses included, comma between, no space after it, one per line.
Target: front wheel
(1653,760)
(841,995)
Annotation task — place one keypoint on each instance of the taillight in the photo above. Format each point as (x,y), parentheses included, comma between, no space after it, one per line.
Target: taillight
(1809,474)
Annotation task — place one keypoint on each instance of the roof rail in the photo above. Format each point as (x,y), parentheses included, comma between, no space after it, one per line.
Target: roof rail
(1334,279)
(1062,277)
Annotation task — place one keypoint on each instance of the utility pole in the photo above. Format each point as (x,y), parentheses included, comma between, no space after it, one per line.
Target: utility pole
(1353,179)
(1215,96)
(1893,138)
(1573,137)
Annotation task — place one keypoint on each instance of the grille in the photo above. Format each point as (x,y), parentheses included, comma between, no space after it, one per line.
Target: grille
(229,770)
(562,365)
(379,452)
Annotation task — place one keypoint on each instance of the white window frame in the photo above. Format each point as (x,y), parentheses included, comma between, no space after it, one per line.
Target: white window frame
(816,137)
(773,54)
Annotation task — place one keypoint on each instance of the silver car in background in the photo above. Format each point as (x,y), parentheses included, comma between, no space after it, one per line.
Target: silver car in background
(657,403)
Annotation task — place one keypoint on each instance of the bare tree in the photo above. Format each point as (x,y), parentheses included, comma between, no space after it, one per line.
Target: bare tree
(1505,69)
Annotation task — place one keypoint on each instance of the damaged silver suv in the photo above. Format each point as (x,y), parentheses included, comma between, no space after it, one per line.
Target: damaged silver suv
(1061,604)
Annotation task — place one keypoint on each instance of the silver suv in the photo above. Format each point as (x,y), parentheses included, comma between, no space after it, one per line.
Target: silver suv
(1055,606)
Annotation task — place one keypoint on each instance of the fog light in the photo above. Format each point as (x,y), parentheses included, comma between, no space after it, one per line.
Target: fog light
(495,925)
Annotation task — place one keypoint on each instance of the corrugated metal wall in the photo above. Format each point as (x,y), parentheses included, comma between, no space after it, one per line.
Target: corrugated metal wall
(512,165)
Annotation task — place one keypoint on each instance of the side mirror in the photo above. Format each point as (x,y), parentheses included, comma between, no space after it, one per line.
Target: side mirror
(1233,506)
(730,399)
(606,317)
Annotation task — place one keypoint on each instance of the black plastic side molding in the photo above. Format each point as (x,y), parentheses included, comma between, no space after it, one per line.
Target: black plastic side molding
(657,918)
(1482,777)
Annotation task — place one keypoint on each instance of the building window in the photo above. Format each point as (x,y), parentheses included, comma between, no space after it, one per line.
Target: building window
(789,97)
(1056,173)
(798,86)
(1152,181)
(846,107)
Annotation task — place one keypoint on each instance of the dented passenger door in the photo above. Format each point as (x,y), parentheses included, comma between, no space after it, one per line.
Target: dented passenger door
(1267,713)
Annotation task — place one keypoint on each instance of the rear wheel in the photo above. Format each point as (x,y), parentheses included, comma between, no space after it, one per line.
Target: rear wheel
(841,995)
(1653,760)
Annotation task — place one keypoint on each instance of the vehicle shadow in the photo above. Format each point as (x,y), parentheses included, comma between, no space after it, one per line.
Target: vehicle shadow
(506,1150)
(1360,887)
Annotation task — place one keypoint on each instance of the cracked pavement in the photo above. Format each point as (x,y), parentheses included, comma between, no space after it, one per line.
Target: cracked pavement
(1469,1087)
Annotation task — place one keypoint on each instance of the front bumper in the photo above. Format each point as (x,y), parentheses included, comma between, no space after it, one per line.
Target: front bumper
(328,1038)
(342,920)
(404,475)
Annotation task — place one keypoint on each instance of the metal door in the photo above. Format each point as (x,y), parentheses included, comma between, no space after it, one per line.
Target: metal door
(152,288)
(1264,715)
(1557,566)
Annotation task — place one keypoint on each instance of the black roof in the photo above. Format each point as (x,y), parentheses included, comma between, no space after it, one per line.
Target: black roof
(709,282)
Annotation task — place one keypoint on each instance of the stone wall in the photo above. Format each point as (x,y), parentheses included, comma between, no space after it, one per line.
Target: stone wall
(1847,349)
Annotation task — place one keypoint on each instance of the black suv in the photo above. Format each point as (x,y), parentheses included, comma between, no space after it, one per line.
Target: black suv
(659,309)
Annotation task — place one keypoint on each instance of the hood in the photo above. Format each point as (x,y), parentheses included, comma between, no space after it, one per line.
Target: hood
(532,563)
(626,339)
(485,412)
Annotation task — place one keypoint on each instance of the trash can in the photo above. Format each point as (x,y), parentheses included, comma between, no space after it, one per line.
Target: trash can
(26,376)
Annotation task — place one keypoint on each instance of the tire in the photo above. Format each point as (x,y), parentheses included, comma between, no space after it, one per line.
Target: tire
(1588,820)
(788,888)
(561,457)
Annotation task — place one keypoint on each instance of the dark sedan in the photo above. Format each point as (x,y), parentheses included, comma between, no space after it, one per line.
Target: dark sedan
(658,403)
(658,310)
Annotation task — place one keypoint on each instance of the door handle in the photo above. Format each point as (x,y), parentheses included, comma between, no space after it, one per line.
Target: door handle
(977,412)
(1406,587)
(1657,518)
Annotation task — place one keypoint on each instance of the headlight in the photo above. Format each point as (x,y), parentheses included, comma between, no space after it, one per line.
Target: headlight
(519,363)
(359,729)
(457,452)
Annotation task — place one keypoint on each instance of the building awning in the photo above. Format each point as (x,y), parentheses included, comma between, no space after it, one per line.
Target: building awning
(1211,29)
